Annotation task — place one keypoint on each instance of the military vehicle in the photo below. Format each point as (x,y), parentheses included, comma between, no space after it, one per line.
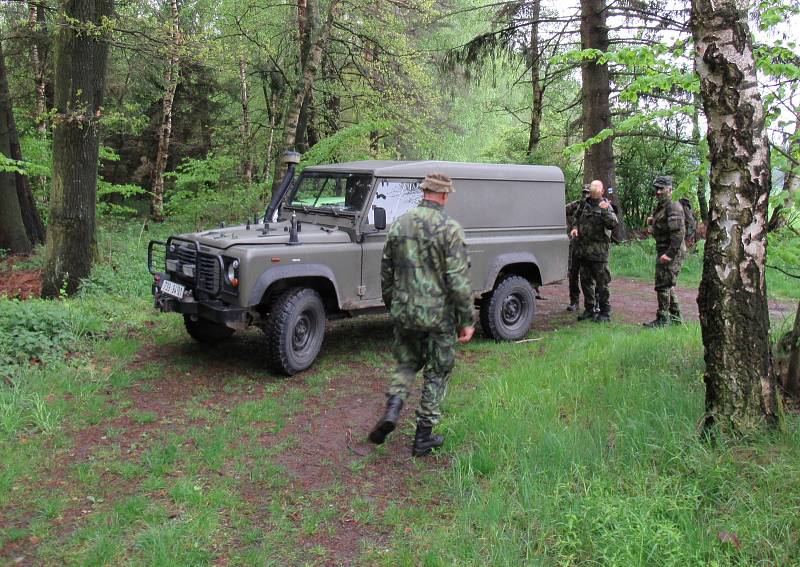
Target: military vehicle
(316,253)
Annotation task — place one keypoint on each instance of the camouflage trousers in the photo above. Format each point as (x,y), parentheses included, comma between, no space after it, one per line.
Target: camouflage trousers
(595,278)
(574,274)
(666,278)
(435,352)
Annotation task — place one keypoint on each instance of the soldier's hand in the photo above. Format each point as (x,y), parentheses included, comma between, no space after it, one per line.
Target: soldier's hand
(603,204)
(465,334)
(664,259)
(649,221)
(573,233)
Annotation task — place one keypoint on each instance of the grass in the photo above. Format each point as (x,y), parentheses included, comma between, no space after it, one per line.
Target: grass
(636,259)
(579,449)
(585,451)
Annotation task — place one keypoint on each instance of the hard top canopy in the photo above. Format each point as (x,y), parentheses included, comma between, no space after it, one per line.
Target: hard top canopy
(456,170)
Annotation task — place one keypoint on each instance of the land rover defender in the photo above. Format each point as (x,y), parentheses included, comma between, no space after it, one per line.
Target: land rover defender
(316,253)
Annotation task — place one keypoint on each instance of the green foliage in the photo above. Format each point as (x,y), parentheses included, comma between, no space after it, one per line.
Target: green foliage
(207,190)
(353,143)
(40,331)
(125,191)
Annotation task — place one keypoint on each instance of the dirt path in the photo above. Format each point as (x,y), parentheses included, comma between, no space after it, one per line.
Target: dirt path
(632,301)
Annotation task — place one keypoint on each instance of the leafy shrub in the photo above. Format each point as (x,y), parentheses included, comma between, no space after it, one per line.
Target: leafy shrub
(207,191)
(40,330)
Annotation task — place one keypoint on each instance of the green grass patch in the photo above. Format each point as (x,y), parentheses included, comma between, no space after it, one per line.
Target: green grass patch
(636,259)
(586,452)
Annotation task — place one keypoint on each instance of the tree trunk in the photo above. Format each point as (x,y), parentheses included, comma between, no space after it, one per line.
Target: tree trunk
(740,385)
(791,380)
(303,86)
(34,229)
(702,158)
(36,22)
(165,131)
(247,165)
(80,69)
(13,236)
(791,183)
(598,159)
(536,83)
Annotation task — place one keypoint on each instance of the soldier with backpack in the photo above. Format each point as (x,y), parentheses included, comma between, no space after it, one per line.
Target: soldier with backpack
(669,230)
(690,221)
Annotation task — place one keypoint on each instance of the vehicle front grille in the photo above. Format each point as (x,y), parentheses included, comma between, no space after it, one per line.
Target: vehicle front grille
(208,273)
(185,252)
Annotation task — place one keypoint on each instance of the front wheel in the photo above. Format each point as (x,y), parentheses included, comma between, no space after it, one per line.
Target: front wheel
(295,330)
(507,314)
(205,331)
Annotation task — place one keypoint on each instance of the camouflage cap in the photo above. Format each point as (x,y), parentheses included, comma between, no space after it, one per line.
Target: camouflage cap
(662,181)
(437,183)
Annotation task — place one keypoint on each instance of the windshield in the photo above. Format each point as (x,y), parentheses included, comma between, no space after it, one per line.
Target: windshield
(334,192)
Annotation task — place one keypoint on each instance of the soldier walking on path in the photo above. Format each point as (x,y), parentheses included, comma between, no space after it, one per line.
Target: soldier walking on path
(592,231)
(573,209)
(669,230)
(426,288)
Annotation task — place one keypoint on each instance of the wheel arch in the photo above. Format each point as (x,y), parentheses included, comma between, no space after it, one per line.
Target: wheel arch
(523,264)
(273,282)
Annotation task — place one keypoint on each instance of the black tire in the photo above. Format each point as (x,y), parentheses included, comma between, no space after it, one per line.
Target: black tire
(295,330)
(205,331)
(507,314)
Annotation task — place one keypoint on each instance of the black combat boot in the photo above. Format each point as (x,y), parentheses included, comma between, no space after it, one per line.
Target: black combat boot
(388,422)
(424,441)
(661,320)
(587,314)
(602,317)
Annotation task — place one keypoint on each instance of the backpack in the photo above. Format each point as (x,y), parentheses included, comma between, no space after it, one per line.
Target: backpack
(689,220)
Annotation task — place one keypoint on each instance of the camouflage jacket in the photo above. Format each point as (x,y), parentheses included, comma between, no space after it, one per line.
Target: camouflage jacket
(574,209)
(425,271)
(594,226)
(669,228)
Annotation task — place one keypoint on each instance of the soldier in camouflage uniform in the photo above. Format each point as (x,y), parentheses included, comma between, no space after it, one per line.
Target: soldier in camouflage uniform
(425,285)
(592,231)
(573,209)
(669,230)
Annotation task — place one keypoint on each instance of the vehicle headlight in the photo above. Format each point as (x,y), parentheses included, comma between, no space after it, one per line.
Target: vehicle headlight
(231,273)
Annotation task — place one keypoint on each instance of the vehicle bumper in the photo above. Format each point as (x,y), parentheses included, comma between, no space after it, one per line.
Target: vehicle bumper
(211,309)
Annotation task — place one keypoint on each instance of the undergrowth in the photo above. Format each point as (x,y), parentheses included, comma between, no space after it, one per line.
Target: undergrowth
(584,450)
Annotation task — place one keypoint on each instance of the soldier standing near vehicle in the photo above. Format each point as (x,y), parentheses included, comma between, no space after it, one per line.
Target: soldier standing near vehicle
(573,209)
(669,230)
(592,232)
(426,288)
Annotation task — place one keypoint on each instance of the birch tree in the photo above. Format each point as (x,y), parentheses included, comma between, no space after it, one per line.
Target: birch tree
(734,318)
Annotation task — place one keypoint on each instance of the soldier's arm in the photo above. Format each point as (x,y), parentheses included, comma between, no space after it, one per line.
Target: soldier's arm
(387,268)
(570,209)
(677,229)
(574,218)
(459,289)
(610,218)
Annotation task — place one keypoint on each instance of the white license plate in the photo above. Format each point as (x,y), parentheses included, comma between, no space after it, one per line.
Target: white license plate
(173,289)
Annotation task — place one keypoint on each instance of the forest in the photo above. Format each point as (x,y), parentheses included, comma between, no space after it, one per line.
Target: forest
(122,442)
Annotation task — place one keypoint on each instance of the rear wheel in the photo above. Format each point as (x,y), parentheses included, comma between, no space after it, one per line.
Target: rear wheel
(507,314)
(205,331)
(295,330)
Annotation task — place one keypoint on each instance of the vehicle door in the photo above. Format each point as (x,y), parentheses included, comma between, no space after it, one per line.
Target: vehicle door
(395,196)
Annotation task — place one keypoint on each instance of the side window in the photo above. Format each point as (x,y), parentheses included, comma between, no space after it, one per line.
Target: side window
(396,197)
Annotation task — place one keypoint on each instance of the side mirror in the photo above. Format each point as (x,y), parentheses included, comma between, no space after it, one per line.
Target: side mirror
(379,214)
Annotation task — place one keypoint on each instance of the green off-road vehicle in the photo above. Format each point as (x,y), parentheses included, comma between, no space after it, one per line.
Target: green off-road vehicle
(318,254)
